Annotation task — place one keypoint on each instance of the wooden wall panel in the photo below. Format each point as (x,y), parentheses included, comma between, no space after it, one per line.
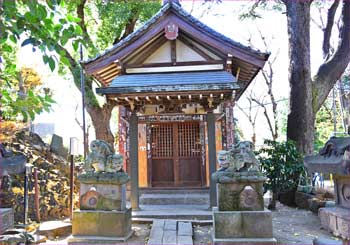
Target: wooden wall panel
(218,138)
(143,182)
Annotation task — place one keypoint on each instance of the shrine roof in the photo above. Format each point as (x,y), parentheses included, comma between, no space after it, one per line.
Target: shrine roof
(186,16)
(171,82)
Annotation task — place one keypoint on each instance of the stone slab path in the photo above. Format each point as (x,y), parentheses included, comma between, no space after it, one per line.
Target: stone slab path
(166,231)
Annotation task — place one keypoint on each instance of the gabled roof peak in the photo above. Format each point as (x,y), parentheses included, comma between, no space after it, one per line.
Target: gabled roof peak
(171,2)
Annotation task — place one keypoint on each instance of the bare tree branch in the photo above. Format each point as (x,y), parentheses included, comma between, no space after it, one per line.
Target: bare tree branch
(327,31)
(330,71)
(82,24)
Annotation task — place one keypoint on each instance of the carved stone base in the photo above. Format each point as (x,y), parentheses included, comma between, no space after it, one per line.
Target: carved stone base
(115,224)
(242,227)
(95,196)
(336,220)
(240,195)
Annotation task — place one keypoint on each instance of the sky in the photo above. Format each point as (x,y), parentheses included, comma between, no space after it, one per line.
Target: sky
(224,18)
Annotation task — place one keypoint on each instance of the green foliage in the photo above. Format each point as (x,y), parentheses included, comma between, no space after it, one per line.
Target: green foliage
(21,100)
(43,26)
(325,123)
(282,164)
(115,16)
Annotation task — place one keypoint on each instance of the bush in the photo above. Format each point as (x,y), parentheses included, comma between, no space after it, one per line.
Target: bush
(283,166)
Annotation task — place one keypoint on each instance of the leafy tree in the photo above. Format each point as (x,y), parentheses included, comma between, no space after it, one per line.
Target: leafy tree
(56,28)
(308,93)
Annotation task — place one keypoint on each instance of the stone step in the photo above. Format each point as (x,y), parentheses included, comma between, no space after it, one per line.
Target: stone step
(171,232)
(174,198)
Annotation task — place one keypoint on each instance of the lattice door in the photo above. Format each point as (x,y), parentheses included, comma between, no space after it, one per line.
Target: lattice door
(189,140)
(176,154)
(162,140)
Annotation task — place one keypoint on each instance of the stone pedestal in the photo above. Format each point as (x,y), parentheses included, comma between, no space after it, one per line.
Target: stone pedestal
(103,216)
(240,217)
(336,220)
(6,219)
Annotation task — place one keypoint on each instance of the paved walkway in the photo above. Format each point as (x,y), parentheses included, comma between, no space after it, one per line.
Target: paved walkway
(171,232)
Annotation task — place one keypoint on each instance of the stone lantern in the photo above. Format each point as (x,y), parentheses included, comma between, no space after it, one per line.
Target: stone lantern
(334,158)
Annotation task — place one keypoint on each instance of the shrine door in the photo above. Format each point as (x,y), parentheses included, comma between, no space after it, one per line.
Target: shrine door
(176,155)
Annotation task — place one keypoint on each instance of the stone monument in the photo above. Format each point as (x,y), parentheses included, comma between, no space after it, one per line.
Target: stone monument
(103,215)
(334,158)
(240,217)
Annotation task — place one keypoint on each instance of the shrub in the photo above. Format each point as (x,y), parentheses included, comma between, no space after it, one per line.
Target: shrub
(283,166)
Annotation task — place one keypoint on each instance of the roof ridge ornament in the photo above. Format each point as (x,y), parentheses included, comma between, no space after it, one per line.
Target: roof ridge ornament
(171,2)
(171,31)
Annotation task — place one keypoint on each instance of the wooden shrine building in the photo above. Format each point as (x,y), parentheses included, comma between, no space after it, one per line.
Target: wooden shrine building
(177,80)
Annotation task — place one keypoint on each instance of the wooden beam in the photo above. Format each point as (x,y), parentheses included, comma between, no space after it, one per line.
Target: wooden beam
(211,155)
(185,63)
(134,161)
(173,51)
(195,48)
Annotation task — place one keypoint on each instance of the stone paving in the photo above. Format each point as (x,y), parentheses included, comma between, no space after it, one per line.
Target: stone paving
(170,232)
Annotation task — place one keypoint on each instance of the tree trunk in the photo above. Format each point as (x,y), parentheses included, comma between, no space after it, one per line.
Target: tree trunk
(301,118)
(100,118)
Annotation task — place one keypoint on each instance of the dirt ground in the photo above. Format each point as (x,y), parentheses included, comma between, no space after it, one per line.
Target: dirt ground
(291,226)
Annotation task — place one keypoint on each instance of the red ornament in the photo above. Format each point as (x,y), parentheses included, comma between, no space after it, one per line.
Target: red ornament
(171,31)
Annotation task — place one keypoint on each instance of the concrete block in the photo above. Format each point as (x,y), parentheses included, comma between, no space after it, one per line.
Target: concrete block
(245,241)
(6,219)
(257,224)
(336,220)
(227,224)
(185,229)
(169,237)
(101,223)
(170,225)
(186,240)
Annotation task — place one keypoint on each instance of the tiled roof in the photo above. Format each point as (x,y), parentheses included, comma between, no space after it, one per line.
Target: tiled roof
(180,81)
(179,10)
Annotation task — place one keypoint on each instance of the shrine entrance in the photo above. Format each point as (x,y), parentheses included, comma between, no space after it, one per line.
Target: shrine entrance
(176,158)
(175,81)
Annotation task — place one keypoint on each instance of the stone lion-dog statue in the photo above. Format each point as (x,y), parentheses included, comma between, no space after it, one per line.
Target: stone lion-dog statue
(239,159)
(102,158)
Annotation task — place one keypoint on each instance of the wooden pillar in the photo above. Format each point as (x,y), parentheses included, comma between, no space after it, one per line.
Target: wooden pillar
(134,161)
(211,155)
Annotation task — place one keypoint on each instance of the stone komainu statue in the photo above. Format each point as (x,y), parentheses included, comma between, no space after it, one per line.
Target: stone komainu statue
(239,159)
(102,158)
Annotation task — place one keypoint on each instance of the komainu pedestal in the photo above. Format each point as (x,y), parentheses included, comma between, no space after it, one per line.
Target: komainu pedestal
(103,216)
(240,217)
